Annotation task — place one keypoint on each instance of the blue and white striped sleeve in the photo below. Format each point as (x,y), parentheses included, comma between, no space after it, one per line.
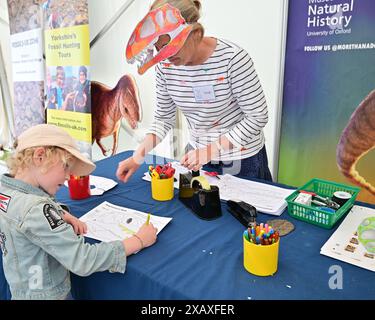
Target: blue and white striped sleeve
(248,92)
(165,113)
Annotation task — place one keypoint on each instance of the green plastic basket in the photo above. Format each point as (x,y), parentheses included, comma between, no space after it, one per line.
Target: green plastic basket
(314,215)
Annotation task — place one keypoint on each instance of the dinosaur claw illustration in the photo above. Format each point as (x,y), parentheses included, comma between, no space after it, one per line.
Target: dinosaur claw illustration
(134,124)
(356,140)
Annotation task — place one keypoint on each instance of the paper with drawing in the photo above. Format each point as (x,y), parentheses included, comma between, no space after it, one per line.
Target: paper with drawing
(108,222)
(344,244)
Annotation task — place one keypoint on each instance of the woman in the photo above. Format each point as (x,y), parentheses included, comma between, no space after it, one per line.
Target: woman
(212,81)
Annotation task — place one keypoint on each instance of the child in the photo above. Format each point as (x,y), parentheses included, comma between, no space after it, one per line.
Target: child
(39,244)
(82,96)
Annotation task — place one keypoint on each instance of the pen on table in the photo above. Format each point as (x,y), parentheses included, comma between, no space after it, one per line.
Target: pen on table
(148,219)
(213,174)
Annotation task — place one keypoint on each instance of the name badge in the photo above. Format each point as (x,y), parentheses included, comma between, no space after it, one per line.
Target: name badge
(204,93)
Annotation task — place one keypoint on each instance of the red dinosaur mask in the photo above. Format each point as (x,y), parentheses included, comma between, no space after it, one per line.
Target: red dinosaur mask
(160,21)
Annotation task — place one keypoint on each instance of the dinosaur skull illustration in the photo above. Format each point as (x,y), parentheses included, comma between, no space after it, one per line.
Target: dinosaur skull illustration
(166,20)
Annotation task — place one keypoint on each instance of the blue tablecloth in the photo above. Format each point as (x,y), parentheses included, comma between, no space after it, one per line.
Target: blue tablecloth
(198,259)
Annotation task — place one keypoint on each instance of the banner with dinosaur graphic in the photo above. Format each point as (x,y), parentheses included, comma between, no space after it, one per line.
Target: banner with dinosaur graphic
(26,41)
(67,84)
(328,118)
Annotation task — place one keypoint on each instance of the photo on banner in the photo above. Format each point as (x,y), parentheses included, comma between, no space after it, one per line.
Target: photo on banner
(26,42)
(67,72)
(328,117)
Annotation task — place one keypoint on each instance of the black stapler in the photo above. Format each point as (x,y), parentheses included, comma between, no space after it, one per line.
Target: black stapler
(243,212)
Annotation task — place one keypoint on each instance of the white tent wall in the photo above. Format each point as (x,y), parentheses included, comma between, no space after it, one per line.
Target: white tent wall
(258,26)
(5,69)
(108,64)
(5,38)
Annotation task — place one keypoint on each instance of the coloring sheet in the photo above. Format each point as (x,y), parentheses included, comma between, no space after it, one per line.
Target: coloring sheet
(108,222)
(344,244)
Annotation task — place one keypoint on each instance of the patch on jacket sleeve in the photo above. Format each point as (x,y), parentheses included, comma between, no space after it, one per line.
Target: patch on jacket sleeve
(52,216)
(3,248)
(4,202)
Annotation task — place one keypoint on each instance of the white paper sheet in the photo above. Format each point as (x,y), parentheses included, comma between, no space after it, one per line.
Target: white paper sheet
(101,185)
(264,197)
(108,222)
(346,235)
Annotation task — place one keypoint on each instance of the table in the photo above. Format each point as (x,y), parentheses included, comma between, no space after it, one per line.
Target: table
(203,260)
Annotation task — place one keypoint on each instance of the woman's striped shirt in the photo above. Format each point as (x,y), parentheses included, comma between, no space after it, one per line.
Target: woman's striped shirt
(223,96)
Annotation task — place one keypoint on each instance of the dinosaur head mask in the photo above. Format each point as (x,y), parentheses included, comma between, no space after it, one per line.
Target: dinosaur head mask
(165,20)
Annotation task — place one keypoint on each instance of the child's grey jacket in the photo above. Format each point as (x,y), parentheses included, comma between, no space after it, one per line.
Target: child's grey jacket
(39,247)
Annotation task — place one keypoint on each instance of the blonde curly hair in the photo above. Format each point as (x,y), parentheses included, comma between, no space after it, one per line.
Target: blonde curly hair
(24,159)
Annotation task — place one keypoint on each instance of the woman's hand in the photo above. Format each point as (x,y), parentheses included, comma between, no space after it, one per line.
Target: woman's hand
(126,169)
(195,159)
(78,226)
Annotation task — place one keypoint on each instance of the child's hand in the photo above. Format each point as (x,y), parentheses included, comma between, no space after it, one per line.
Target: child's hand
(78,226)
(148,234)
(145,237)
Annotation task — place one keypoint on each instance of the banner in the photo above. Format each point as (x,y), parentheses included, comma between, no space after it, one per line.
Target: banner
(329,72)
(25,22)
(67,85)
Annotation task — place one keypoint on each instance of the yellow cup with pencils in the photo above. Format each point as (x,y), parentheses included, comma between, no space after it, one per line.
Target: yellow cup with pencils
(162,189)
(162,182)
(260,259)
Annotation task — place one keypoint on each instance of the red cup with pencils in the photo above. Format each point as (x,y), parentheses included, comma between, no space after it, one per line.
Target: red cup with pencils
(79,187)
(261,250)
(162,182)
